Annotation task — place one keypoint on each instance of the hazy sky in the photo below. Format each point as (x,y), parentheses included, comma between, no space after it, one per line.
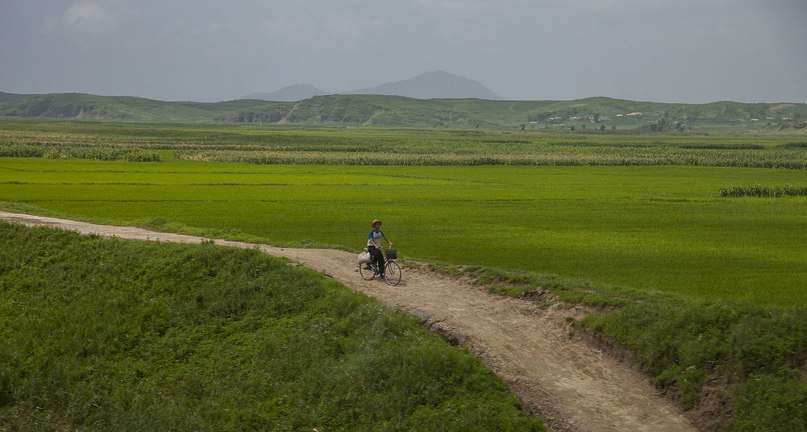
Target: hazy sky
(692,51)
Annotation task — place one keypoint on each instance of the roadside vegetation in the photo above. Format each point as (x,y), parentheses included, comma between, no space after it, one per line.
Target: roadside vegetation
(740,367)
(735,366)
(100,334)
(689,248)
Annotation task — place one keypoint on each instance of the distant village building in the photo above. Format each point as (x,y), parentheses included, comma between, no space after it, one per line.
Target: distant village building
(634,114)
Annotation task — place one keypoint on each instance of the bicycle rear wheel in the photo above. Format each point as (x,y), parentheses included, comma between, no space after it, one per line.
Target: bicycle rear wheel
(392,273)
(366,272)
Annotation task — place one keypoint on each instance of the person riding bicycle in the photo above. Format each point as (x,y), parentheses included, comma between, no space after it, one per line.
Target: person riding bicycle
(374,246)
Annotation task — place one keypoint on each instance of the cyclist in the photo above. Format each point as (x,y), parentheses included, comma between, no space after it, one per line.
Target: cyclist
(374,246)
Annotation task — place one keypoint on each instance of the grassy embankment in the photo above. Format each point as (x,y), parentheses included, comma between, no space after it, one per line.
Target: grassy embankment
(99,334)
(708,289)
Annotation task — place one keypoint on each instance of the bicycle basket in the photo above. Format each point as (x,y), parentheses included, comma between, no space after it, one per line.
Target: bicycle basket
(392,254)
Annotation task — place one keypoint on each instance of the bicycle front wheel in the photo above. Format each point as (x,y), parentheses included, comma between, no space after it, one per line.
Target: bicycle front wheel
(366,272)
(392,273)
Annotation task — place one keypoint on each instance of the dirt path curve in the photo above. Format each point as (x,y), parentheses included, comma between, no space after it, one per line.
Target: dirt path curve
(573,386)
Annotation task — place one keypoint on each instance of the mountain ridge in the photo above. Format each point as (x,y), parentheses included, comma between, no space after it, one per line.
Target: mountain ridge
(589,114)
(428,85)
(292,93)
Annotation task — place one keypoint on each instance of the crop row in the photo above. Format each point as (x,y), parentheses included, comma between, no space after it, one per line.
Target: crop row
(277,145)
(561,156)
(762,191)
(79,152)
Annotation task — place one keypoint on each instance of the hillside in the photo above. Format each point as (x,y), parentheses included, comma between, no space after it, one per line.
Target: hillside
(100,334)
(590,114)
(6,97)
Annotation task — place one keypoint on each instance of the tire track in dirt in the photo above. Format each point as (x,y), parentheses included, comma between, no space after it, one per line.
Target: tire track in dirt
(572,385)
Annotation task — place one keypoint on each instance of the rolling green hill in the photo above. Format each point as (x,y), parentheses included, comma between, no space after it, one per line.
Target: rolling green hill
(114,335)
(590,114)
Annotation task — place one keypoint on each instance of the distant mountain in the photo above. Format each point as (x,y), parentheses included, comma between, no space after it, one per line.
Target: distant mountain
(292,93)
(430,85)
(433,85)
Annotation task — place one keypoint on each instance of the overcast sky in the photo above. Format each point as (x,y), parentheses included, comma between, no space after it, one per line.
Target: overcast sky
(693,51)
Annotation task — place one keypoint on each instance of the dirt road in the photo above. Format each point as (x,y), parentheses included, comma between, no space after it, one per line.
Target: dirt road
(570,384)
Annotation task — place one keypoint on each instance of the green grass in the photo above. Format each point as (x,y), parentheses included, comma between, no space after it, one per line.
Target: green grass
(702,279)
(99,334)
(752,357)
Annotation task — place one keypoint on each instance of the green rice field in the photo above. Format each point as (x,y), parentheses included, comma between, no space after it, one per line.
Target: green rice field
(646,228)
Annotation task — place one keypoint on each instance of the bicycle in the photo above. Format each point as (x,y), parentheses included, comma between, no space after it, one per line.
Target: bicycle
(392,271)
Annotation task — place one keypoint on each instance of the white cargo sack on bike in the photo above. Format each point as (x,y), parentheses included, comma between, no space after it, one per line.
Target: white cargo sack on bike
(364,257)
